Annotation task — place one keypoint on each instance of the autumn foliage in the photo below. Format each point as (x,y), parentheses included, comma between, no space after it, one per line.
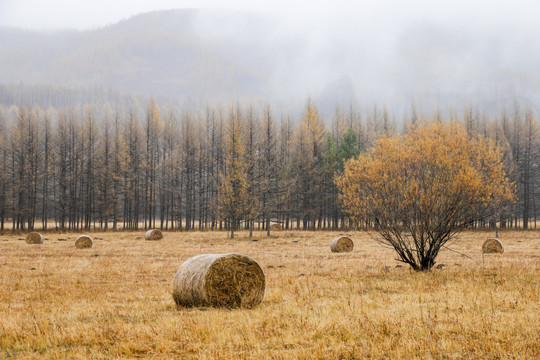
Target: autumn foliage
(235,201)
(422,188)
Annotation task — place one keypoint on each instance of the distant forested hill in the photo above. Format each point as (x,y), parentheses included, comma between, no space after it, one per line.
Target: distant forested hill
(167,52)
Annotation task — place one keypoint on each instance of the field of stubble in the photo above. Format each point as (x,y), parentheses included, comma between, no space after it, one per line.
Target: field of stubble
(114,301)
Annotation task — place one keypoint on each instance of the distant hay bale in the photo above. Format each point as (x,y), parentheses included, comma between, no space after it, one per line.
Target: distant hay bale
(84,242)
(341,244)
(153,234)
(492,246)
(34,238)
(276,227)
(219,280)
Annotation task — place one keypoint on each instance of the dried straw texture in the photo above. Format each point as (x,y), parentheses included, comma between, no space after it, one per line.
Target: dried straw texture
(84,242)
(219,280)
(153,234)
(341,244)
(276,227)
(492,246)
(34,238)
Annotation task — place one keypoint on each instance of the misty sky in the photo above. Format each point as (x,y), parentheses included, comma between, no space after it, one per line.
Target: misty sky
(76,14)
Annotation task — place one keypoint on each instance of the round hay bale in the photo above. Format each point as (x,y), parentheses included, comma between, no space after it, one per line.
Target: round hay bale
(84,242)
(34,238)
(153,234)
(492,246)
(341,244)
(219,280)
(276,227)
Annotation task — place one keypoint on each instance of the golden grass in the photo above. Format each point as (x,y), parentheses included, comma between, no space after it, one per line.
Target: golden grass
(115,300)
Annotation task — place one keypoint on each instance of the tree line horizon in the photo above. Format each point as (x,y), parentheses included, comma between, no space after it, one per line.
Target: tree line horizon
(98,167)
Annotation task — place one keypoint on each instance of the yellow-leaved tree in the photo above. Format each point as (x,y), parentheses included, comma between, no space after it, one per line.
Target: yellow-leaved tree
(421,189)
(235,200)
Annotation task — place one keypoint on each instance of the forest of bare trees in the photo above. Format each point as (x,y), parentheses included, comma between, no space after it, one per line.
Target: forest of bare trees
(144,166)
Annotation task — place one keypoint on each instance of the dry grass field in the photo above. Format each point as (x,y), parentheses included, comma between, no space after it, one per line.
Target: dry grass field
(114,301)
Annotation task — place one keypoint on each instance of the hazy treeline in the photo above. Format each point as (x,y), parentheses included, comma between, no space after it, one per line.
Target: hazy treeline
(46,96)
(108,166)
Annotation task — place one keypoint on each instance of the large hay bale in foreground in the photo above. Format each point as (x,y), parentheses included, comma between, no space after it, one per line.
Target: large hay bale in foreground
(84,242)
(492,246)
(276,227)
(219,280)
(34,238)
(153,234)
(341,244)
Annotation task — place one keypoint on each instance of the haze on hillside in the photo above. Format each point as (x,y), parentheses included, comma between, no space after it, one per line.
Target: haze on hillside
(443,55)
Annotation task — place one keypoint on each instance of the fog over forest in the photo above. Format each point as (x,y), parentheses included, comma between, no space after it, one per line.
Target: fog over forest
(437,57)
